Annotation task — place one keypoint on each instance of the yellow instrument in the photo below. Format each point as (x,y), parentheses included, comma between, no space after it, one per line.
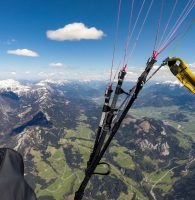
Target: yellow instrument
(180,69)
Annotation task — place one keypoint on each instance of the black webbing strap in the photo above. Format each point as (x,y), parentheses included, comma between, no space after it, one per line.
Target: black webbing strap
(90,170)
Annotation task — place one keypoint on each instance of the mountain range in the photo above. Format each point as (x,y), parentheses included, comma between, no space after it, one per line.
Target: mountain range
(53,124)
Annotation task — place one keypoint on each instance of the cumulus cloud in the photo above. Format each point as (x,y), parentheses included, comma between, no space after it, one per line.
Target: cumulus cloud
(46,74)
(162,75)
(23,52)
(192,65)
(75,31)
(132,75)
(56,65)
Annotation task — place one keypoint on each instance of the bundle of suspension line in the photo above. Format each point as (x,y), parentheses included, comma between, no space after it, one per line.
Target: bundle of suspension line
(113,115)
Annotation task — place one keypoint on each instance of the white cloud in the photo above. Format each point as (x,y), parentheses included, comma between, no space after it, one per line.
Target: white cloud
(56,65)
(13,73)
(27,72)
(163,74)
(192,65)
(75,31)
(46,74)
(23,52)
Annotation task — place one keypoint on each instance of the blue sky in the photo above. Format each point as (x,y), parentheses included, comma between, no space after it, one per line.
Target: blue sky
(24,25)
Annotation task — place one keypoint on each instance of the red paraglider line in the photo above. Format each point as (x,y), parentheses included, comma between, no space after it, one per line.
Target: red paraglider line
(129,32)
(127,41)
(136,21)
(165,46)
(168,22)
(144,20)
(171,36)
(182,17)
(177,36)
(157,32)
(140,31)
(116,36)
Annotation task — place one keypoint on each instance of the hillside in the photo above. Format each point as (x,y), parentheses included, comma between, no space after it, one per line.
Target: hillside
(53,126)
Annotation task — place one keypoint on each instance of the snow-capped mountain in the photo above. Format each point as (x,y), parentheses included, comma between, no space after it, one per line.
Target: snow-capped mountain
(13,86)
(148,145)
(53,125)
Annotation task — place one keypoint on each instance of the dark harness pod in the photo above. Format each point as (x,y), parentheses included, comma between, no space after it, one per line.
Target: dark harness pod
(12,183)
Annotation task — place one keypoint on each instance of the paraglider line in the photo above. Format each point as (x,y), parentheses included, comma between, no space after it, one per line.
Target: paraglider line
(116,36)
(168,22)
(136,21)
(182,17)
(158,28)
(129,32)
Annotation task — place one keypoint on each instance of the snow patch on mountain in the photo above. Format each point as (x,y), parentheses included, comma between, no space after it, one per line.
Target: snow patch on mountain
(173,83)
(13,86)
(170,83)
(49,81)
